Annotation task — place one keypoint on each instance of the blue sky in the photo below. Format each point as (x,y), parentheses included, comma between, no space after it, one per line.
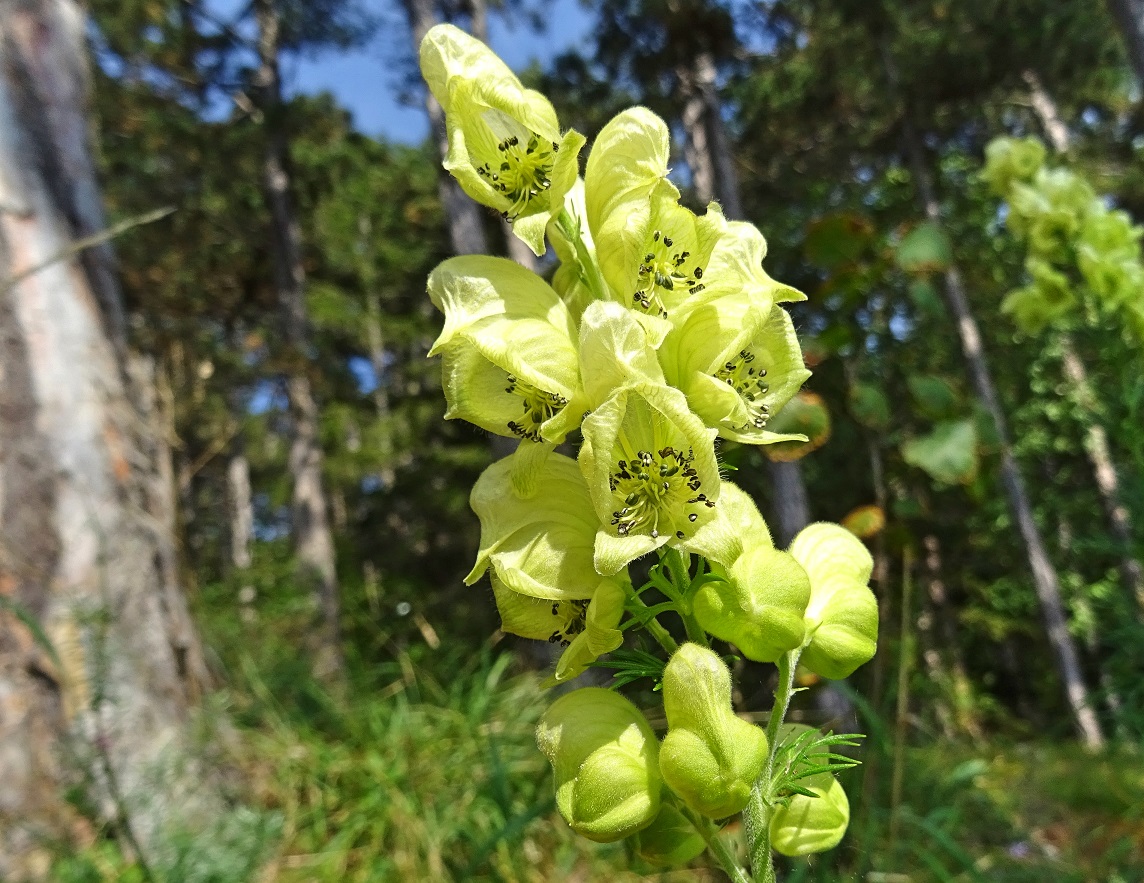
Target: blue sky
(368,81)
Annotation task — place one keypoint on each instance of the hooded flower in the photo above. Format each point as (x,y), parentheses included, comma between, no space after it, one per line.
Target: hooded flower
(652,476)
(738,362)
(604,760)
(1011,160)
(509,345)
(842,615)
(1049,211)
(505,145)
(541,546)
(1048,297)
(585,629)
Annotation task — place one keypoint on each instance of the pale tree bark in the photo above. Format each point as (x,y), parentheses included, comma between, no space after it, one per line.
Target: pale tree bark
(1129,17)
(1096,446)
(1045,581)
(99,663)
(707,148)
(313,538)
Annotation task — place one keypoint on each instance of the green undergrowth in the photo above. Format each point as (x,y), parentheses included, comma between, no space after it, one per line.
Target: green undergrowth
(425,768)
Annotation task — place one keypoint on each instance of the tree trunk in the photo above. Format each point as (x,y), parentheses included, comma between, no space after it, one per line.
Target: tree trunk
(708,150)
(1096,439)
(466,226)
(1129,17)
(313,539)
(1045,580)
(99,663)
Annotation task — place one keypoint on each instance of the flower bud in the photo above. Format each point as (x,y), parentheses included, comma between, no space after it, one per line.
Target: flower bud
(842,615)
(759,608)
(710,757)
(805,825)
(603,755)
(669,840)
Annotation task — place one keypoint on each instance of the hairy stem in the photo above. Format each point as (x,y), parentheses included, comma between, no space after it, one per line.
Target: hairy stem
(717,846)
(757,815)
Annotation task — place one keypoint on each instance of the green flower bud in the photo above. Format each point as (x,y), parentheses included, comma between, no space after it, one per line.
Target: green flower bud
(842,614)
(759,607)
(710,757)
(604,761)
(669,840)
(804,825)
(1009,160)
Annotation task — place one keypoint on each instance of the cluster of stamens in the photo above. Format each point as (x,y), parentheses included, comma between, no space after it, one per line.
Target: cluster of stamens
(521,174)
(747,381)
(539,406)
(576,612)
(664,269)
(651,485)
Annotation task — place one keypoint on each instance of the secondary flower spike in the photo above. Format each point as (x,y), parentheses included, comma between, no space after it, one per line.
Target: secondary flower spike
(505,145)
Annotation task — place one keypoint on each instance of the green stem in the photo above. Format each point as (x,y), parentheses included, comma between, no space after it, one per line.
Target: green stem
(718,847)
(757,815)
(657,631)
(679,575)
(589,269)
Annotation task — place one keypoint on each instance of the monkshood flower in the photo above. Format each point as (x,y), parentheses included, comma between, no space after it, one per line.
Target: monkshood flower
(1108,255)
(604,758)
(1049,211)
(710,756)
(842,614)
(1012,160)
(652,476)
(541,546)
(738,362)
(1048,297)
(760,604)
(585,629)
(510,360)
(505,145)
(804,825)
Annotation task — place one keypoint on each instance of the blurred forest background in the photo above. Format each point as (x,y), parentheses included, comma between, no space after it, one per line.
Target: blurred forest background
(337,705)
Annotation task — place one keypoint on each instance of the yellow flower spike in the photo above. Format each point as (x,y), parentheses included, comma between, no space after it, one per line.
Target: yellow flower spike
(652,476)
(710,757)
(510,360)
(804,825)
(604,758)
(542,546)
(505,146)
(738,363)
(585,629)
(842,614)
